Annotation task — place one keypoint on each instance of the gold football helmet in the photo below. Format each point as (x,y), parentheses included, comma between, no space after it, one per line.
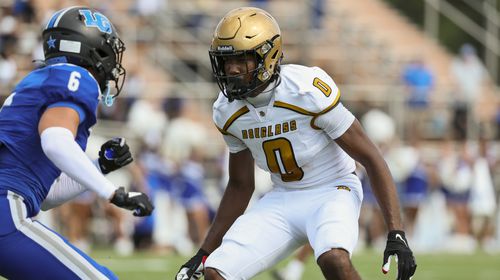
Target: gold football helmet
(254,34)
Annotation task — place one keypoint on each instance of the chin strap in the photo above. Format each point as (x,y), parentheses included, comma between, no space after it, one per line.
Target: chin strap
(108,98)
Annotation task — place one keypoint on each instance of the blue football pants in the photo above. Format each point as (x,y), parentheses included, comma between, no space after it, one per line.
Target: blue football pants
(29,250)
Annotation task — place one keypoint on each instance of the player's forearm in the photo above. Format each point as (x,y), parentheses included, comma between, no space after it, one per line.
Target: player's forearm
(60,147)
(234,202)
(385,191)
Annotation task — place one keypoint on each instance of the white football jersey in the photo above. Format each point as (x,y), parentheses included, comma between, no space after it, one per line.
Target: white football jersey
(292,136)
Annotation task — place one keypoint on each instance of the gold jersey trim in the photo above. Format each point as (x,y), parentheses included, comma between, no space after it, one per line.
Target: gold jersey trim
(294,108)
(328,109)
(302,111)
(224,132)
(243,110)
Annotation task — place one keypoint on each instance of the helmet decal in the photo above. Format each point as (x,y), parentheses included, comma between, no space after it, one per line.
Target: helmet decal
(51,43)
(96,19)
(70,46)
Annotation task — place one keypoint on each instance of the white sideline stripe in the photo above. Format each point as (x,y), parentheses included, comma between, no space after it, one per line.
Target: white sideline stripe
(50,241)
(13,211)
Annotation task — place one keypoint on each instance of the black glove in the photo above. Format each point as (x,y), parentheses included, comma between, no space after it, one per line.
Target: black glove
(398,245)
(137,201)
(113,155)
(193,269)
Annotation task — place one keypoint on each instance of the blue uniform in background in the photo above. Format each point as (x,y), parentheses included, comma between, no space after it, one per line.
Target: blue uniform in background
(29,250)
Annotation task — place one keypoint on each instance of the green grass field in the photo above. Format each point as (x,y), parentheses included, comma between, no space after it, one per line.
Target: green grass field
(147,266)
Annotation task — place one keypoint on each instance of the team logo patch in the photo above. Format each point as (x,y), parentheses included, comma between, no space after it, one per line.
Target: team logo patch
(51,43)
(343,188)
(95,19)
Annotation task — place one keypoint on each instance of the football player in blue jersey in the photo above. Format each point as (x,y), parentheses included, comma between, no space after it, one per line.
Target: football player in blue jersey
(44,126)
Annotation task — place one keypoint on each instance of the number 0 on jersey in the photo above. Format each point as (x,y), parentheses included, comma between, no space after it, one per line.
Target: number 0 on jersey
(281,159)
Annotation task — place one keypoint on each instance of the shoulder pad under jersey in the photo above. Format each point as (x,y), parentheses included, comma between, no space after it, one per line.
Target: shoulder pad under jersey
(306,90)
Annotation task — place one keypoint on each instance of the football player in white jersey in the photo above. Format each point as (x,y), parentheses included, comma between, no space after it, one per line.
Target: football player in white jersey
(289,119)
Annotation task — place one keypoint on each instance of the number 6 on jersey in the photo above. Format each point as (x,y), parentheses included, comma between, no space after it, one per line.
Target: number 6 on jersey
(74,81)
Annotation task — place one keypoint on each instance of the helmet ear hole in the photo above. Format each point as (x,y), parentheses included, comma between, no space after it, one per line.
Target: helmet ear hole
(102,53)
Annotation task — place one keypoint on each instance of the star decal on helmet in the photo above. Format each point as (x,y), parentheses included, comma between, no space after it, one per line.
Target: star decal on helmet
(51,43)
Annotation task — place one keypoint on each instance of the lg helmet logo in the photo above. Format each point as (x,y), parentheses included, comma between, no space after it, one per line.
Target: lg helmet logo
(95,19)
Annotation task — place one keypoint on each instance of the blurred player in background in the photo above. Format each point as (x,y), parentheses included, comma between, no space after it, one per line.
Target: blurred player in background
(289,120)
(295,268)
(456,175)
(483,202)
(44,127)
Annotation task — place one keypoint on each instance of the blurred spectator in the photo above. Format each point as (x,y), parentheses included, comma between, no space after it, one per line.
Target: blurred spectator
(146,8)
(154,173)
(187,188)
(37,52)
(372,231)
(134,87)
(318,13)
(8,65)
(497,122)
(184,145)
(483,199)
(8,24)
(28,41)
(410,176)
(8,45)
(469,75)
(381,129)
(191,15)
(379,126)
(259,3)
(185,137)
(24,10)
(415,192)
(408,172)
(419,82)
(76,215)
(456,173)
(146,119)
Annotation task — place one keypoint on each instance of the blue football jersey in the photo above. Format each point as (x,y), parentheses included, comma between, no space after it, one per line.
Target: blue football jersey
(24,168)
